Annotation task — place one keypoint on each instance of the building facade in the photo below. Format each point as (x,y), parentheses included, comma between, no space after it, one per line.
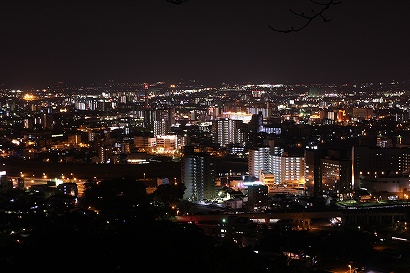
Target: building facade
(198,175)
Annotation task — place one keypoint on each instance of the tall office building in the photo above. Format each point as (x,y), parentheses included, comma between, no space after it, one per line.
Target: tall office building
(104,153)
(47,121)
(327,170)
(160,127)
(146,95)
(336,175)
(198,175)
(162,121)
(313,180)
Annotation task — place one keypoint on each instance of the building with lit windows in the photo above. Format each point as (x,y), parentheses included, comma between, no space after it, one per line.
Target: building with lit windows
(361,113)
(387,186)
(162,120)
(289,170)
(227,131)
(198,175)
(5,183)
(259,159)
(312,169)
(92,136)
(68,188)
(378,161)
(242,116)
(74,139)
(268,179)
(160,127)
(327,170)
(167,142)
(266,110)
(125,147)
(145,142)
(384,142)
(257,197)
(335,175)
(104,153)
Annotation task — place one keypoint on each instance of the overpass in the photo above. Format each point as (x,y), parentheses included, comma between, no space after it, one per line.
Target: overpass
(356,216)
(301,219)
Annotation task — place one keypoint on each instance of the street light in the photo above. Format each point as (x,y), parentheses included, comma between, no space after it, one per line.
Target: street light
(350,268)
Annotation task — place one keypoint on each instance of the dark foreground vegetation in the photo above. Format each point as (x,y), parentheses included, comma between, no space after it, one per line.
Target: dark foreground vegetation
(118,227)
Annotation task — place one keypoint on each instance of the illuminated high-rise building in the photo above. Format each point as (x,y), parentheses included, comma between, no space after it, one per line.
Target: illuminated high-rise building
(336,175)
(289,170)
(312,169)
(198,175)
(227,131)
(259,159)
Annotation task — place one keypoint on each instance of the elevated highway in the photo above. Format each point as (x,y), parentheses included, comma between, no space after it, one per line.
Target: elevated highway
(301,219)
(386,215)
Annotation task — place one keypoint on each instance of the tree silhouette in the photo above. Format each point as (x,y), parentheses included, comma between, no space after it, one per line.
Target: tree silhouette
(309,18)
(115,194)
(169,194)
(176,2)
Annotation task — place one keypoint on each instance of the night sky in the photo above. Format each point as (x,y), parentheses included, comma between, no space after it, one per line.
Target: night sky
(78,42)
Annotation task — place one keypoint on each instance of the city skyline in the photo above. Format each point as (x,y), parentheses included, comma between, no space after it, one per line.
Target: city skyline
(46,42)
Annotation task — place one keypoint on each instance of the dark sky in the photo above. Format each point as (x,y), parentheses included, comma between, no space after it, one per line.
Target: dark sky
(43,42)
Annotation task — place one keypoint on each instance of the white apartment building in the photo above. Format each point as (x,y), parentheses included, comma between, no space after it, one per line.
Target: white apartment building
(145,142)
(168,142)
(289,170)
(227,131)
(259,159)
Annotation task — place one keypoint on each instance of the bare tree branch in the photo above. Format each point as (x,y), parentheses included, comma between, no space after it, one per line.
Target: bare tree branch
(309,18)
(177,2)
